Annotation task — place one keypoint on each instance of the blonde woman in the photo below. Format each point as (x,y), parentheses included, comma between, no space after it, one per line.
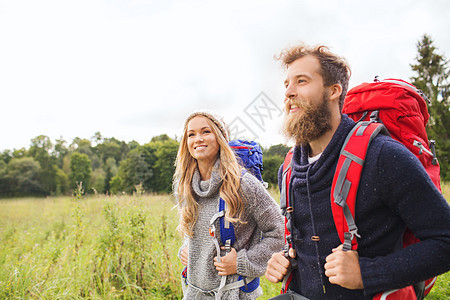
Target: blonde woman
(206,169)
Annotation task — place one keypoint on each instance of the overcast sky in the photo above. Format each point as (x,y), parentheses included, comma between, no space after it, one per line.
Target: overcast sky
(135,69)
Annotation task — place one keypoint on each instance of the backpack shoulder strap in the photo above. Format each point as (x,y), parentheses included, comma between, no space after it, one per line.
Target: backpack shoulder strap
(285,204)
(346,180)
(287,209)
(227,236)
(287,170)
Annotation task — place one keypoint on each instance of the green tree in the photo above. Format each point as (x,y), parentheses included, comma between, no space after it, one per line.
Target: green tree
(19,153)
(432,77)
(97,138)
(280,150)
(6,156)
(271,165)
(273,158)
(23,177)
(80,166)
(115,184)
(124,148)
(98,180)
(40,150)
(4,181)
(132,145)
(84,146)
(62,182)
(81,145)
(160,138)
(109,149)
(110,168)
(164,168)
(60,151)
(151,164)
(132,171)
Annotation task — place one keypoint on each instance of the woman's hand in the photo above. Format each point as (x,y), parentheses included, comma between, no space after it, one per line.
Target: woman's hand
(184,255)
(227,264)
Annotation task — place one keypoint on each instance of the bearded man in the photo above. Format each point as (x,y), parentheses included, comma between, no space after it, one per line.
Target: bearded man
(393,194)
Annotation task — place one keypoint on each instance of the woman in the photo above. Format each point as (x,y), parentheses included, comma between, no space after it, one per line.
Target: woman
(207,169)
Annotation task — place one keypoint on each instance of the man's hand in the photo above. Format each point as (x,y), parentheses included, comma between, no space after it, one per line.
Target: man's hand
(184,256)
(227,264)
(278,266)
(342,268)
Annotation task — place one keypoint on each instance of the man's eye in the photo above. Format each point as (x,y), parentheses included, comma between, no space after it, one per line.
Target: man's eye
(190,134)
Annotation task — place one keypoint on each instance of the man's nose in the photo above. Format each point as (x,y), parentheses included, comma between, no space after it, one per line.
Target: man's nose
(290,92)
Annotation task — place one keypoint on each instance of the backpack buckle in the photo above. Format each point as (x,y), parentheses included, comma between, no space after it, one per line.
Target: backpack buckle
(227,246)
(374,116)
(348,238)
(212,231)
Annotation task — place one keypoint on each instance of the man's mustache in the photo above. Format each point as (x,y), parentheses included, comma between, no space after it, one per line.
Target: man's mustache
(300,104)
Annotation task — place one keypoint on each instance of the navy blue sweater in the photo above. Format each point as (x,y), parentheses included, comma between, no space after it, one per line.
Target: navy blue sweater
(394,193)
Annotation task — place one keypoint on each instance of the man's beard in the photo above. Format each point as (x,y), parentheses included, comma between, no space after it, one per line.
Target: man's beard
(312,123)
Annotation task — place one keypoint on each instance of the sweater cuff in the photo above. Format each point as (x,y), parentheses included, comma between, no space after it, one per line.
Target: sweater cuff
(241,263)
(374,276)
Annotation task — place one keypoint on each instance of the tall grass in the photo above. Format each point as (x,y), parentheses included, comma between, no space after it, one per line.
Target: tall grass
(101,247)
(98,247)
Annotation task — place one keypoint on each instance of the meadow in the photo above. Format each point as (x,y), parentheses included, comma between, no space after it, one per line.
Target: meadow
(101,247)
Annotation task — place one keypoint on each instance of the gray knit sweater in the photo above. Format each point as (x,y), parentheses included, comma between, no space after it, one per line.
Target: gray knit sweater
(263,219)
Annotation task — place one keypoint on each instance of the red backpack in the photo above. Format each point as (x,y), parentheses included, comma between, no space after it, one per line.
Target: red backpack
(402,108)
(390,104)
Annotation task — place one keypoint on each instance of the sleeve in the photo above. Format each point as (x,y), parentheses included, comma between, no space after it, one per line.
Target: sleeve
(185,244)
(252,261)
(410,194)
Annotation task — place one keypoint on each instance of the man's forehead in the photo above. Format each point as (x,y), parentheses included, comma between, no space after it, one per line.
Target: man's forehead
(308,66)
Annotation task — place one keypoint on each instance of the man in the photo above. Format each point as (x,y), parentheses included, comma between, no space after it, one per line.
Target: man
(395,192)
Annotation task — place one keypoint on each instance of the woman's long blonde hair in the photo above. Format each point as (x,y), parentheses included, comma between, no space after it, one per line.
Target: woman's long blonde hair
(230,190)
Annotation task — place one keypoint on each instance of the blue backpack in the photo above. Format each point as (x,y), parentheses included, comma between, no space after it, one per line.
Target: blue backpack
(249,155)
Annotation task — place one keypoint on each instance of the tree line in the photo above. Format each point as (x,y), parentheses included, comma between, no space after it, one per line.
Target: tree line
(107,165)
(103,165)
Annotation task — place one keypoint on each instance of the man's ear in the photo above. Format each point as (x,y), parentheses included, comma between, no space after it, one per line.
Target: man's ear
(335,92)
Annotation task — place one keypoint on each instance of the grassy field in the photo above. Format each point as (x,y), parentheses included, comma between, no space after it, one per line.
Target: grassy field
(100,248)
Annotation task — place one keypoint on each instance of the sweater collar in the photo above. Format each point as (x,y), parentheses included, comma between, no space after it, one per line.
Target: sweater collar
(207,188)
